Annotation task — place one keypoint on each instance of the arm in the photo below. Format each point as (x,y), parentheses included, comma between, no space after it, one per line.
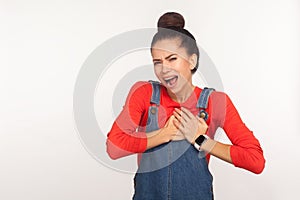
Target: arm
(192,127)
(123,139)
(167,133)
(245,151)
(217,149)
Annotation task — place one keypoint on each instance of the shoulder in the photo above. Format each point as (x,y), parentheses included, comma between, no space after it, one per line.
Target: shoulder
(219,94)
(145,86)
(220,97)
(140,91)
(141,86)
(221,101)
(214,97)
(214,94)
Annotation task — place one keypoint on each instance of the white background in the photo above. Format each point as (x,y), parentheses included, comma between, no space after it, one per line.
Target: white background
(255,46)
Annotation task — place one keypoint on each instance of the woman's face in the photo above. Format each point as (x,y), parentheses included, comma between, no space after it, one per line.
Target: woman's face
(172,64)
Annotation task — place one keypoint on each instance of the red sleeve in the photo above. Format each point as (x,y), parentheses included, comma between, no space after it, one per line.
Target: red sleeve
(123,139)
(245,151)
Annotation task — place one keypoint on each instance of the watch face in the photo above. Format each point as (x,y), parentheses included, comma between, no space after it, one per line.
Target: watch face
(200,140)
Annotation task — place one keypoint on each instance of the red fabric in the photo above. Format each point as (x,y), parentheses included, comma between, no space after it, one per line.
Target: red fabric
(127,135)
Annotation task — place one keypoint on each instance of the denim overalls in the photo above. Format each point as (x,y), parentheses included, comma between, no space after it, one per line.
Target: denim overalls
(175,170)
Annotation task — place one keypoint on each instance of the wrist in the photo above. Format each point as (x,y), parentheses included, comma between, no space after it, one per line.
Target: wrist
(155,138)
(208,145)
(162,135)
(198,134)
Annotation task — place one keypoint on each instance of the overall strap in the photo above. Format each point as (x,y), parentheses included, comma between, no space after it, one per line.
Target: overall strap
(155,98)
(203,102)
(152,121)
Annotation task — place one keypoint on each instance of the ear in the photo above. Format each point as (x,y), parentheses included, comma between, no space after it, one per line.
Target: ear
(193,61)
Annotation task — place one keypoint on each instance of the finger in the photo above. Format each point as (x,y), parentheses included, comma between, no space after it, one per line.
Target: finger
(201,120)
(181,129)
(176,123)
(181,121)
(169,120)
(188,113)
(177,115)
(182,114)
(167,123)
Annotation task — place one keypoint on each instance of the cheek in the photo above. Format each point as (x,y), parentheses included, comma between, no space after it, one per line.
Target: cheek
(157,71)
(185,72)
(188,71)
(183,68)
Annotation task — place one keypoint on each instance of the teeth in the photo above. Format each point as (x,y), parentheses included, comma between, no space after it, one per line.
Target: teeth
(167,80)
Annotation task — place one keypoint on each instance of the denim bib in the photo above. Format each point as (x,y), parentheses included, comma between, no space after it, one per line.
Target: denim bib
(175,170)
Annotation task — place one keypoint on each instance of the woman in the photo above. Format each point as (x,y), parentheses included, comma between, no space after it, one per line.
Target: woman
(171,123)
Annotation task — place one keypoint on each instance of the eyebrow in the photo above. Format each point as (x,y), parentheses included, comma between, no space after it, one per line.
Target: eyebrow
(157,59)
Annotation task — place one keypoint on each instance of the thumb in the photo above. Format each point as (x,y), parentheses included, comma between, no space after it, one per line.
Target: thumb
(169,120)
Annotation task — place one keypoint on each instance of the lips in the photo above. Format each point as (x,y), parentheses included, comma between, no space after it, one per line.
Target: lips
(171,81)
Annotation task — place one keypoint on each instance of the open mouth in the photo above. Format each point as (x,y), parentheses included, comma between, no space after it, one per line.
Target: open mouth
(171,81)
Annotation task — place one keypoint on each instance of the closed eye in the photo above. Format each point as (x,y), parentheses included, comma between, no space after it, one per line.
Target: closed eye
(172,59)
(156,63)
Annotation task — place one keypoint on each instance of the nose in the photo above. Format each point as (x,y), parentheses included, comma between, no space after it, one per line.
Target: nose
(165,68)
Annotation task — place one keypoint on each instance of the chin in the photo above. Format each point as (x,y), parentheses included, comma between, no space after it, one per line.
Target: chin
(175,90)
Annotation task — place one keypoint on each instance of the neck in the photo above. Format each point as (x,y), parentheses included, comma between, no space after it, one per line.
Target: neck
(182,95)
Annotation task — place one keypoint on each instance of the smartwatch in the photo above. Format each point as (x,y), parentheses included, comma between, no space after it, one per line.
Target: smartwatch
(199,141)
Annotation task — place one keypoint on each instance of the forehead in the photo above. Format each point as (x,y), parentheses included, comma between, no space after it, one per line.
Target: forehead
(168,46)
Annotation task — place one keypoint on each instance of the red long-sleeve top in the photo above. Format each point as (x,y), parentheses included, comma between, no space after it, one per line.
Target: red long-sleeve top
(127,135)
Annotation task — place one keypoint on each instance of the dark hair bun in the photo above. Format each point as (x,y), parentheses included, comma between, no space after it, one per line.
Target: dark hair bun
(171,19)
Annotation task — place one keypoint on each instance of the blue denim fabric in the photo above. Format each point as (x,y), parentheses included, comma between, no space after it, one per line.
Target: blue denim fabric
(203,102)
(203,99)
(171,171)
